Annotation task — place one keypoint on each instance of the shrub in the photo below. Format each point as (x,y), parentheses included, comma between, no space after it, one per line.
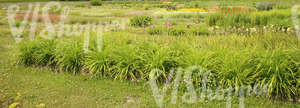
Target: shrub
(154,30)
(96,2)
(141,20)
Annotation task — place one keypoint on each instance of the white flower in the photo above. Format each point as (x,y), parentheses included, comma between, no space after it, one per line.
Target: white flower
(252,30)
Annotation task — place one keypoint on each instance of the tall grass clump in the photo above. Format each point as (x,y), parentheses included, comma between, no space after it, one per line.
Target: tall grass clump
(280,69)
(70,56)
(141,21)
(99,63)
(37,52)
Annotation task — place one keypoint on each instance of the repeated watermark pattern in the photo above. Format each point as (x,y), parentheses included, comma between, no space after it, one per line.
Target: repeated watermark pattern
(175,77)
(206,92)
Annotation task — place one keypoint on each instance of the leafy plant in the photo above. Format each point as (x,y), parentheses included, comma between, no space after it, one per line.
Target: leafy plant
(38,52)
(141,21)
(100,63)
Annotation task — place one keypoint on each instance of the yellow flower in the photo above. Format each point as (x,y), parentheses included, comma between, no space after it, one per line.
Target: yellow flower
(13,105)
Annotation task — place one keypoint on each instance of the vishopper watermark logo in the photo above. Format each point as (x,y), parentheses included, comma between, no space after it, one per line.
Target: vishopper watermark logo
(47,29)
(295,18)
(201,93)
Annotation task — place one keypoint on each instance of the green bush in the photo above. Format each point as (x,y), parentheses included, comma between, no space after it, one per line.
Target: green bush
(141,20)
(96,2)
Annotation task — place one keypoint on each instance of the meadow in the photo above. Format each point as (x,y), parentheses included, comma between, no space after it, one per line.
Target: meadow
(243,43)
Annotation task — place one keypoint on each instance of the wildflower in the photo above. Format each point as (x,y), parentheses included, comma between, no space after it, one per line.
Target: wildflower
(170,26)
(188,25)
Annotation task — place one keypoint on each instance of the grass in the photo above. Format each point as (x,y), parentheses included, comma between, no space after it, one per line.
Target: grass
(36,86)
(264,18)
(128,59)
(117,76)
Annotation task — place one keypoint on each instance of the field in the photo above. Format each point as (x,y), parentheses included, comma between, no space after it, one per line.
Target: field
(105,54)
